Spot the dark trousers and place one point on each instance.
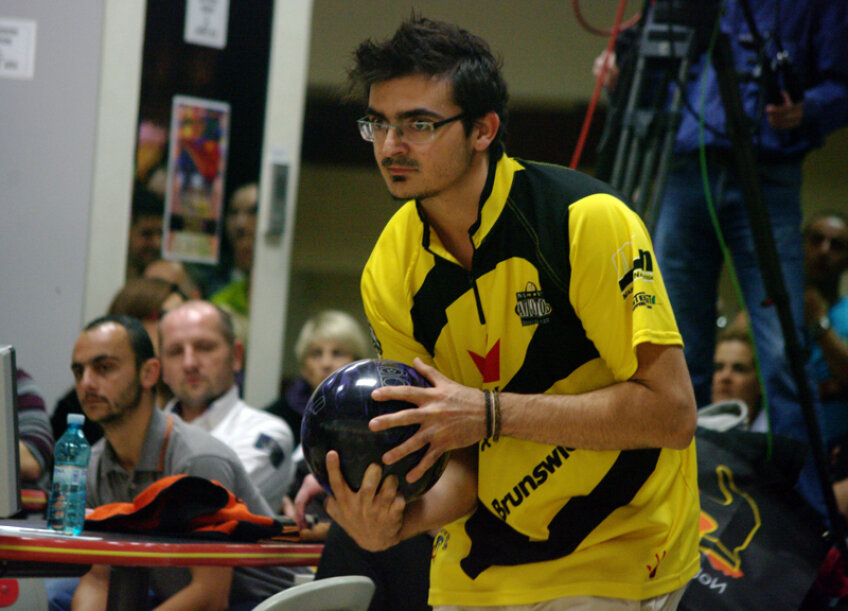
(401, 573)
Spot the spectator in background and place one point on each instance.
(147, 299)
(200, 357)
(144, 299)
(825, 240)
(35, 435)
(234, 298)
(132, 456)
(327, 341)
(174, 272)
(145, 238)
(735, 381)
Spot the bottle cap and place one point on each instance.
(76, 419)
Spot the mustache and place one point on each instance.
(402, 162)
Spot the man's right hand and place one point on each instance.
(612, 74)
(309, 489)
(372, 516)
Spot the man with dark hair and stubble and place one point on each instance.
(115, 372)
(529, 296)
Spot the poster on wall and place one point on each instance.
(206, 22)
(197, 162)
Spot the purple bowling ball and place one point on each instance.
(337, 415)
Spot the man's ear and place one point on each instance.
(149, 373)
(485, 130)
(238, 355)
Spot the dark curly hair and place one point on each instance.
(437, 48)
(140, 342)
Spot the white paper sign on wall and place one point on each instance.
(206, 22)
(17, 48)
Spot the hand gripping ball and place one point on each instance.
(337, 415)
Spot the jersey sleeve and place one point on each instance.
(387, 302)
(616, 287)
(391, 341)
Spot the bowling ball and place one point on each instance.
(336, 418)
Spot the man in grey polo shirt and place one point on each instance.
(115, 372)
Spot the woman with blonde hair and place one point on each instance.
(328, 340)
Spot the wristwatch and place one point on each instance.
(819, 327)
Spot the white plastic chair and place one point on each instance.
(346, 593)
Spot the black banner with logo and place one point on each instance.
(761, 544)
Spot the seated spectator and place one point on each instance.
(177, 274)
(826, 312)
(234, 298)
(327, 341)
(735, 380)
(145, 237)
(35, 435)
(200, 358)
(145, 299)
(116, 370)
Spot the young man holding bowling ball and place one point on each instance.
(528, 295)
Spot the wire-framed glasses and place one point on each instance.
(415, 132)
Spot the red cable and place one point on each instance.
(587, 121)
(589, 27)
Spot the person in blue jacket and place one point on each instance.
(813, 35)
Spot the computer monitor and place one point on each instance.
(10, 461)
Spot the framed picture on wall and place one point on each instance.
(194, 195)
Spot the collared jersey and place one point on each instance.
(262, 441)
(562, 288)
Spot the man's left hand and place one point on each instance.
(450, 416)
(785, 116)
(815, 305)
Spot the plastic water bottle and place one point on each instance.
(66, 509)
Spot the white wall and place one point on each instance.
(547, 54)
(47, 135)
(272, 254)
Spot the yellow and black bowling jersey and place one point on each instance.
(563, 287)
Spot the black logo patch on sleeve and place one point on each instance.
(275, 452)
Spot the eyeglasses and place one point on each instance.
(415, 132)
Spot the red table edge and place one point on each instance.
(160, 553)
